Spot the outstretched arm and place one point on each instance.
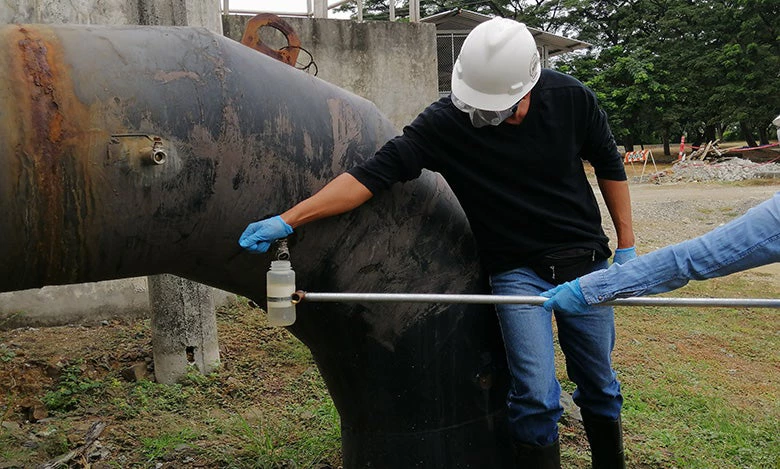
(746, 242)
(342, 194)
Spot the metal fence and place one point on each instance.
(447, 49)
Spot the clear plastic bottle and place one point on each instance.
(280, 284)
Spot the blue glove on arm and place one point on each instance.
(258, 236)
(624, 255)
(566, 297)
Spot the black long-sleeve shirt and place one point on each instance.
(522, 187)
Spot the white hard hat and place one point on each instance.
(497, 65)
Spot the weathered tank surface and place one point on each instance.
(138, 150)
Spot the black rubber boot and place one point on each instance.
(606, 441)
(538, 457)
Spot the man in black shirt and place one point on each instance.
(510, 141)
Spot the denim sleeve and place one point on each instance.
(745, 242)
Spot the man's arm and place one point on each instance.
(602, 152)
(745, 242)
(400, 159)
(618, 200)
(340, 195)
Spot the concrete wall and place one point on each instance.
(391, 64)
(85, 303)
(150, 12)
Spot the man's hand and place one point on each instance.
(566, 297)
(258, 236)
(624, 255)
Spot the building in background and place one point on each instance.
(453, 26)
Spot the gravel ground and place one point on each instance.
(726, 169)
(669, 213)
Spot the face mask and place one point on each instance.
(480, 117)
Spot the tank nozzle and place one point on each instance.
(282, 251)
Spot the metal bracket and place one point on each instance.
(251, 38)
(143, 148)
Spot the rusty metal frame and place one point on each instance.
(251, 38)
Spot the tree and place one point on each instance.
(660, 68)
(548, 15)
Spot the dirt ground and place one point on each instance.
(33, 361)
(669, 213)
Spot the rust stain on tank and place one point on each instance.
(46, 115)
(52, 175)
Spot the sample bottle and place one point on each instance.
(280, 284)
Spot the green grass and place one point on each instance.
(700, 384)
(11, 449)
(157, 446)
(6, 355)
(269, 441)
(697, 430)
(73, 389)
(700, 387)
(267, 406)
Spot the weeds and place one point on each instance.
(155, 447)
(699, 385)
(6, 354)
(72, 389)
(698, 382)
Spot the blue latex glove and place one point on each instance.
(258, 236)
(624, 255)
(566, 297)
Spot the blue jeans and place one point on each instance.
(743, 243)
(586, 341)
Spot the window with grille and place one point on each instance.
(447, 49)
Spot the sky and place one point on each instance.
(283, 6)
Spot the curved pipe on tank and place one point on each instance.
(134, 150)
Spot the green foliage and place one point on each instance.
(698, 383)
(11, 449)
(72, 389)
(698, 431)
(155, 398)
(288, 352)
(661, 68)
(671, 67)
(271, 442)
(155, 447)
(6, 354)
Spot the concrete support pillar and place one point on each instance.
(184, 328)
(414, 11)
(320, 8)
(184, 324)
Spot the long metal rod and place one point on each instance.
(300, 296)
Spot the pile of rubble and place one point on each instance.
(725, 169)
